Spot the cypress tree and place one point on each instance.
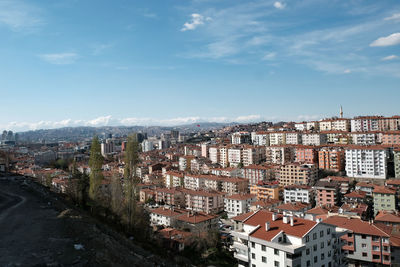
(95, 164)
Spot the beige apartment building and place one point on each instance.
(295, 173)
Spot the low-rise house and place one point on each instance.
(321, 213)
(366, 187)
(196, 222)
(237, 204)
(355, 197)
(174, 239)
(164, 216)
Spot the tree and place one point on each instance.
(116, 195)
(131, 179)
(95, 164)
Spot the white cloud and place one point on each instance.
(391, 57)
(279, 5)
(196, 20)
(347, 71)
(130, 121)
(59, 59)
(393, 39)
(269, 56)
(18, 15)
(99, 48)
(395, 17)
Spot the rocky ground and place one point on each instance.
(39, 229)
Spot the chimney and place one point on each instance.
(291, 221)
(267, 226)
(285, 219)
(274, 216)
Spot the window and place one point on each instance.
(307, 238)
(322, 245)
(364, 254)
(321, 234)
(314, 236)
(276, 263)
(363, 236)
(253, 256)
(376, 257)
(315, 259)
(322, 256)
(253, 265)
(276, 251)
(263, 248)
(308, 263)
(363, 245)
(328, 231)
(329, 253)
(349, 234)
(308, 251)
(253, 245)
(263, 259)
(351, 252)
(315, 248)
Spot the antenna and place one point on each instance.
(341, 112)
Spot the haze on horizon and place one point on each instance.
(97, 63)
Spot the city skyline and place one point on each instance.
(170, 63)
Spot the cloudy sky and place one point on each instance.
(126, 62)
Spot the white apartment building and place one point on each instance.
(193, 182)
(293, 139)
(264, 238)
(174, 179)
(312, 125)
(164, 217)
(260, 138)
(234, 156)
(253, 155)
(335, 125)
(297, 193)
(213, 153)
(237, 204)
(365, 124)
(277, 138)
(301, 126)
(107, 147)
(366, 162)
(314, 139)
(240, 138)
(279, 154)
(364, 138)
(147, 145)
(223, 156)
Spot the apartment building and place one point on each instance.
(235, 156)
(327, 193)
(293, 138)
(365, 187)
(336, 124)
(259, 173)
(314, 139)
(365, 243)
(266, 191)
(277, 138)
(300, 126)
(366, 162)
(223, 156)
(213, 153)
(296, 173)
(364, 139)
(306, 154)
(389, 123)
(312, 125)
(390, 138)
(260, 138)
(227, 172)
(396, 153)
(164, 217)
(279, 154)
(253, 155)
(241, 138)
(232, 186)
(237, 204)
(174, 179)
(203, 201)
(365, 123)
(344, 182)
(331, 159)
(384, 199)
(264, 238)
(172, 197)
(297, 193)
(184, 162)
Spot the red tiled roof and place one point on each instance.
(384, 216)
(299, 229)
(243, 216)
(356, 194)
(356, 225)
(241, 196)
(168, 212)
(383, 190)
(297, 206)
(196, 217)
(393, 182)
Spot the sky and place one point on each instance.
(130, 62)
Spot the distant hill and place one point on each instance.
(85, 132)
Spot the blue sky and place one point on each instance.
(95, 62)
